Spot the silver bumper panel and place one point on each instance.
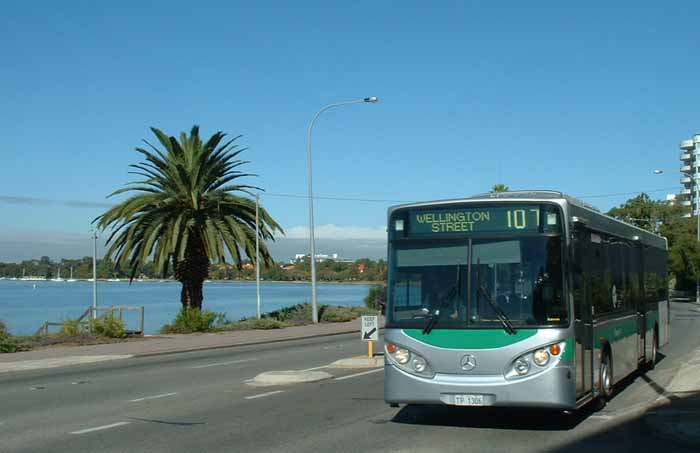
(553, 388)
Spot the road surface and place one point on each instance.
(203, 402)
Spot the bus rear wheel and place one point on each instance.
(654, 349)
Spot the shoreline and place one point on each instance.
(126, 280)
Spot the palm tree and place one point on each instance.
(498, 188)
(185, 213)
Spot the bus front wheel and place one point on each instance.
(605, 385)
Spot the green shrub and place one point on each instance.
(71, 328)
(268, 323)
(254, 323)
(9, 343)
(343, 314)
(376, 298)
(298, 314)
(337, 314)
(191, 320)
(108, 326)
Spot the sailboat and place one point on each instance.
(58, 278)
(71, 279)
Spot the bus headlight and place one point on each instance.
(521, 366)
(407, 360)
(402, 356)
(541, 357)
(419, 364)
(545, 358)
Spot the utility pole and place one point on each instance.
(257, 249)
(94, 274)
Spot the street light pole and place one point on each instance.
(257, 250)
(312, 241)
(94, 274)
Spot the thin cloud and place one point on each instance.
(331, 231)
(31, 201)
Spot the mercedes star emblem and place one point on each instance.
(468, 362)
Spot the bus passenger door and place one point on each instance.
(583, 316)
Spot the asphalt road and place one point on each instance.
(202, 402)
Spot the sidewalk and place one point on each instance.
(677, 418)
(167, 344)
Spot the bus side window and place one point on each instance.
(577, 262)
(601, 279)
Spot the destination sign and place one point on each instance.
(491, 219)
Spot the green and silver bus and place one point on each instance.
(530, 299)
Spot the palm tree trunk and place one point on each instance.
(191, 272)
(191, 295)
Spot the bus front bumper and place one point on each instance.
(554, 388)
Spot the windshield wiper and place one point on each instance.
(432, 319)
(507, 325)
(430, 322)
(500, 314)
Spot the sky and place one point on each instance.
(585, 98)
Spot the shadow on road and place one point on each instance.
(495, 418)
(511, 418)
(673, 427)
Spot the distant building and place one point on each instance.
(690, 173)
(320, 258)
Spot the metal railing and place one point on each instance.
(117, 311)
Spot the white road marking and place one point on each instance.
(152, 397)
(222, 363)
(603, 417)
(359, 374)
(263, 395)
(314, 368)
(100, 428)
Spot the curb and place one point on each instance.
(203, 348)
(359, 362)
(255, 343)
(290, 377)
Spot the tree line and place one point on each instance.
(669, 220)
(364, 269)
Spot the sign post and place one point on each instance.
(370, 332)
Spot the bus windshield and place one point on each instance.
(452, 282)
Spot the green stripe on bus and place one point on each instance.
(470, 338)
(569, 350)
(615, 331)
(652, 319)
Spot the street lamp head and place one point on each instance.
(372, 99)
(658, 172)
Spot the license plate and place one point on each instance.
(468, 400)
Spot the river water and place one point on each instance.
(26, 305)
